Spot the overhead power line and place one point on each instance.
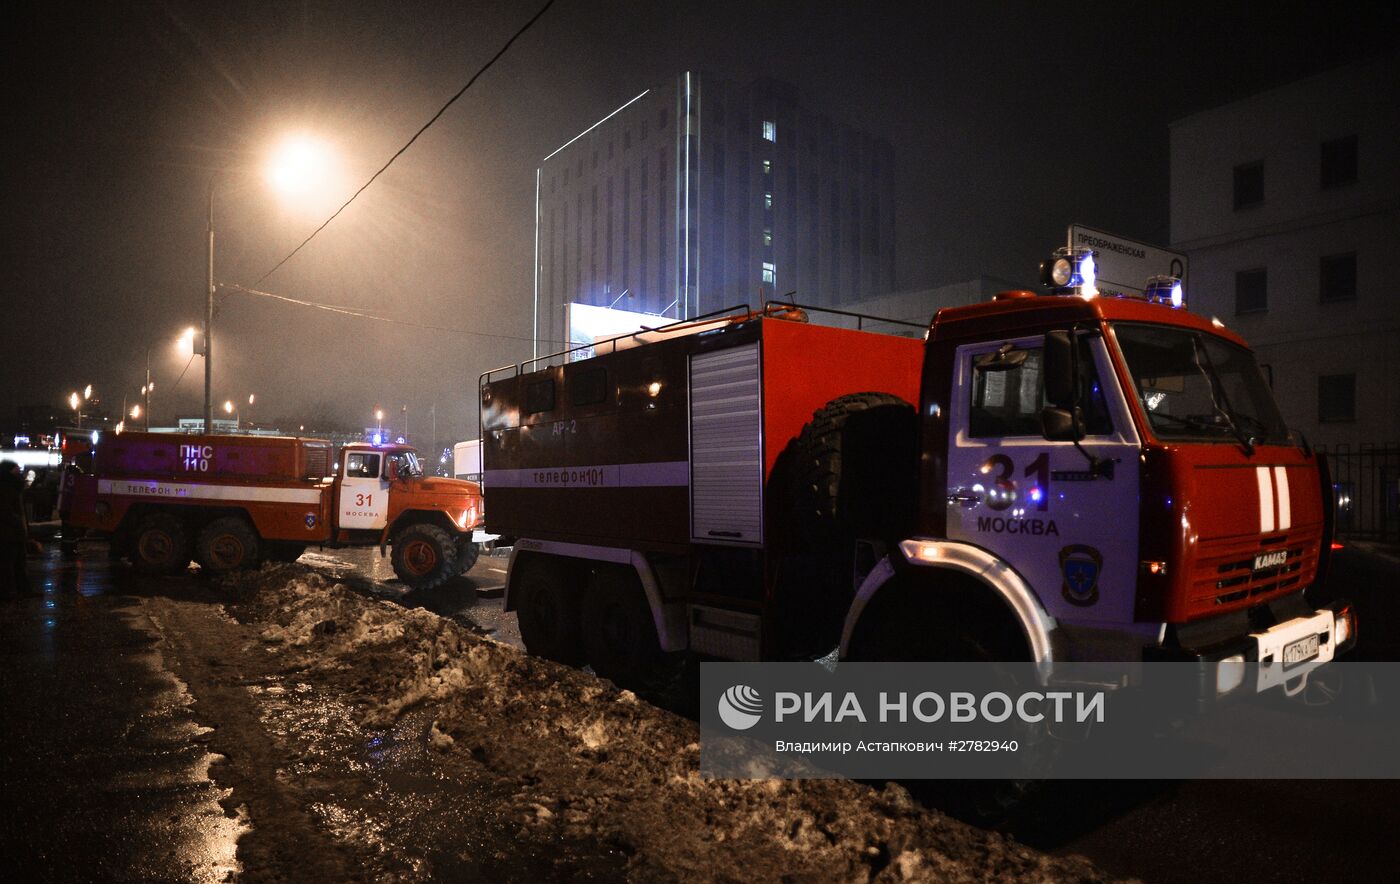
(365, 314)
(451, 101)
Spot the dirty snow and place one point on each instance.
(582, 760)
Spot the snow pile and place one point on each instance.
(582, 760)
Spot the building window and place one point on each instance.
(770, 273)
(1252, 291)
(1336, 397)
(768, 167)
(768, 200)
(1249, 185)
(767, 236)
(1337, 164)
(770, 130)
(1337, 277)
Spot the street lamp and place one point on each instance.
(379, 420)
(184, 344)
(75, 402)
(298, 168)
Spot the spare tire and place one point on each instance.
(852, 474)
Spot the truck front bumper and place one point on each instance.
(1267, 657)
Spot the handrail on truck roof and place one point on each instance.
(770, 308)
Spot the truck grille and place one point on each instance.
(1224, 577)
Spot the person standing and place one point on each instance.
(14, 532)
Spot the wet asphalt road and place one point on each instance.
(106, 755)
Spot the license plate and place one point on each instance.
(1300, 651)
(1270, 559)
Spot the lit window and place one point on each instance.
(767, 236)
(768, 201)
(770, 130)
(770, 273)
(768, 167)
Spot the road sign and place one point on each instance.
(1124, 265)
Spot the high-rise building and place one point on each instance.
(704, 194)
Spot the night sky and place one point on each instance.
(1009, 122)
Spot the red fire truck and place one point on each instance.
(1046, 478)
(230, 502)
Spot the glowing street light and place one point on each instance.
(136, 412)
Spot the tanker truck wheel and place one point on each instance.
(425, 556)
(227, 544)
(160, 545)
(546, 594)
(619, 634)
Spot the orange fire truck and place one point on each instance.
(230, 502)
(1046, 478)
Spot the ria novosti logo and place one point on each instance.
(741, 707)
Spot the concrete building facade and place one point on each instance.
(703, 194)
(1288, 205)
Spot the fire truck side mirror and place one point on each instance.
(1060, 370)
(1061, 424)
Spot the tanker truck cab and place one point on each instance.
(1117, 473)
(383, 497)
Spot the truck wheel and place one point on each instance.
(547, 604)
(424, 556)
(851, 474)
(619, 634)
(467, 554)
(160, 545)
(227, 544)
(284, 552)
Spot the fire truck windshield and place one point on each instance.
(1198, 386)
(407, 463)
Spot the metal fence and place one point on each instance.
(1367, 480)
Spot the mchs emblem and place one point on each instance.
(1080, 566)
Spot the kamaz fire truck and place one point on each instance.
(230, 502)
(1042, 477)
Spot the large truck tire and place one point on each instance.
(160, 545)
(227, 544)
(547, 607)
(619, 633)
(467, 554)
(425, 556)
(852, 474)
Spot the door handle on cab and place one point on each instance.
(965, 496)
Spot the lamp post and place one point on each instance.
(209, 321)
(75, 402)
(293, 169)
